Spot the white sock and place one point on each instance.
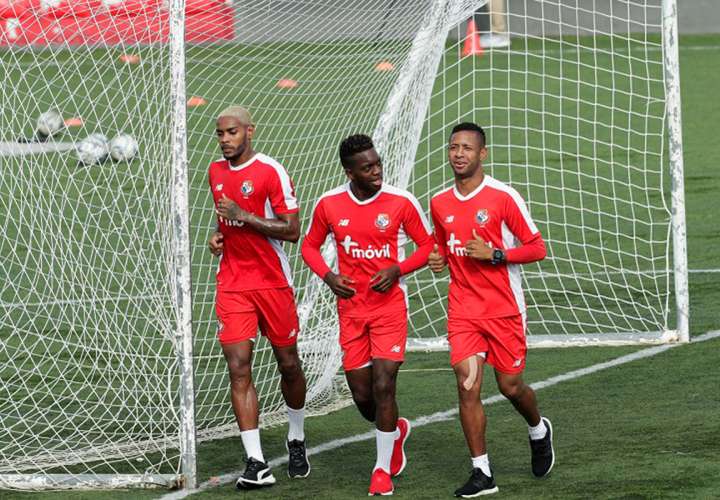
(483, 463)
(385, 442)
(296, 424)
(537, 432)
(251, 443)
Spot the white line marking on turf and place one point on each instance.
(443, 416)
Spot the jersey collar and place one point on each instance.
(363, 202)
(242, 165)
(475, 191)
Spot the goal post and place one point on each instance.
(110, 372)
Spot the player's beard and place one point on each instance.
(237, 153)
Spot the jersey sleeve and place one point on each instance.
(282, 192)
(417, 227)
(518, 220)
(314, 238)
(439, 232)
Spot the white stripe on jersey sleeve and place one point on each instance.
(501, 186)
(278, 247)
(408, 195)
(290, 199)
(509, 241)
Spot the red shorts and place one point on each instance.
(241, 313)
(364, 339)
(501, 339)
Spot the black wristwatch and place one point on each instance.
(498, 257)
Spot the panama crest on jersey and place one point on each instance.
(482, 216)
(247, 188)
(382, 222)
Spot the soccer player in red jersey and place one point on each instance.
(257, 210)
(369, 222)
(483, 231)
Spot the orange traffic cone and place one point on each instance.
(472, 46)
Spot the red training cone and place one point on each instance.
(472, 46)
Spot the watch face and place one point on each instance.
(498, 256)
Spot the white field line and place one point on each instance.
(444, 416)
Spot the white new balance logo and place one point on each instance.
(449, 219)
(218, 187)
(364, 253)
(395, 348)
(344, 222)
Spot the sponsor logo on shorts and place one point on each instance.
(395, 348)
(482, 216)
(344, 222)
(218, 187)
(449, 219)
(382, 222)
(247, 188)
(517, 363)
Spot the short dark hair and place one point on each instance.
(352, 145)
(470, 127)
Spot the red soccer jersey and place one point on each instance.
(369, 236)
(498, 214)
(251, 260)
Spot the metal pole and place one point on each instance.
(673, 114)
(181, 244)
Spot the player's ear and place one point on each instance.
(483, 153)
(250, 131)
(349, 173)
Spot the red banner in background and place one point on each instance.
(109, 22)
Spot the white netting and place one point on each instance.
(89, 372)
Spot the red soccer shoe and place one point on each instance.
(399, 459)
(380, 483)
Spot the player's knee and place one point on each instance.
(240, 372)
(383, 388)
(512, 390)
(290, 368)
(362, 398)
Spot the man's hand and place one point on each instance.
(384, 278)
(436, 262)
(216, 243)
(340, 284)
(230, 210)
(478, 248)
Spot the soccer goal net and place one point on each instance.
(107, 125)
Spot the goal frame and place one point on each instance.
(186, 441)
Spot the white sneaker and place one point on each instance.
(495, 40)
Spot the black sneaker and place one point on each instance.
(257, 474)
(478, 484)
(543, 455)
(298, 465)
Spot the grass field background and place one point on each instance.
(643, 430)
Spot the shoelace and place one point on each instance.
(297, 453)
(253, 466)
(540, 445)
